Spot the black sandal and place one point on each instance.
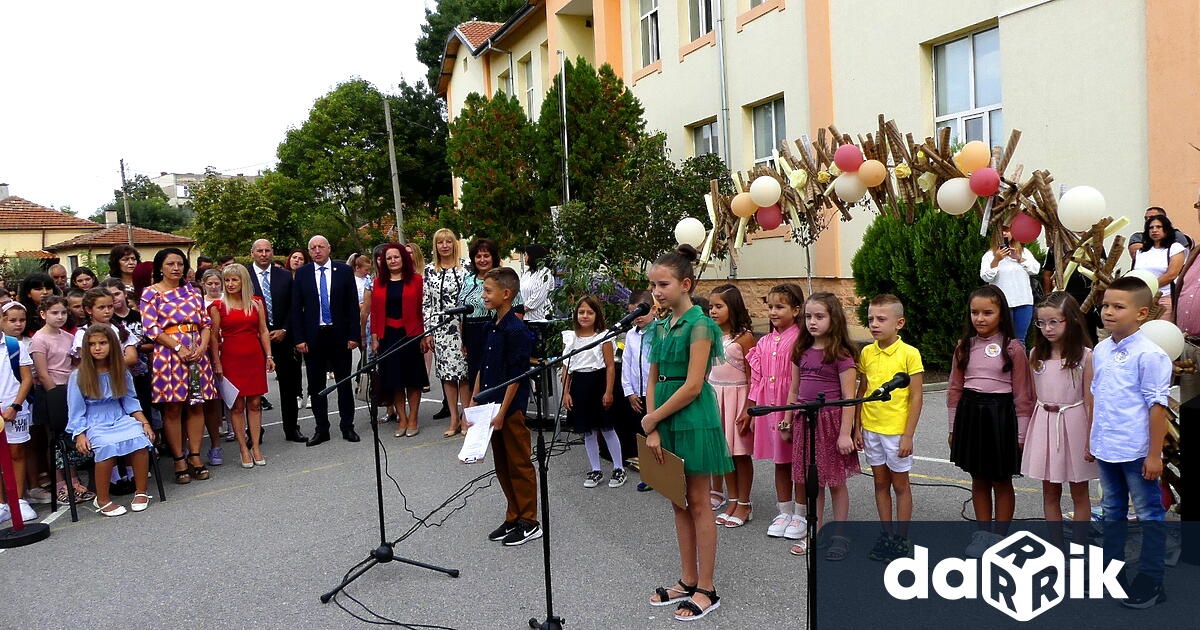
(665, 598)
(690, 606)
(199, 473)
(183, 476)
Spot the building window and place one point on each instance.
(506, 83)
(705, 138)
(966, 77)
(527, 73)
(700, 12)
(754, 3)
(770, 129)
(465, 59)
(649, 26)
(73, 261)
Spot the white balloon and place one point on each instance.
(1081, 207)
(691, 231)
(1150, 279)
(955, 196)
(765, 191)
(849, 188)
(1166, 335)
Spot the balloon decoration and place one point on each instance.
(690, 231)
(1081, 207)
(1149, 278)
(743, 205)
(955, 196)
(872, 173)
(1166, 335)
(849, 188)
(765, 191)
(848, 158)
(769, 217)
(973, 156)
(1025, 229)
(985, 182)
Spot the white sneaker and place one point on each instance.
(980, 541)
(796, 528)
(779, 525)
(27, 511)
(5, 513)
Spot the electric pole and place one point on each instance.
(387, 117)
(125, 200)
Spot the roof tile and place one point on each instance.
(118, 234)
(20, 214)
(477, 32)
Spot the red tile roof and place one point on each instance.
(118, 234)
(20, 214)
(476, 32)
(35, 254)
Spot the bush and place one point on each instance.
(932, 266)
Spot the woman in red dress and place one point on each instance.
(243, 357)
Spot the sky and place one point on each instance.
(177, 87)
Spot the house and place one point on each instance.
(178, 186)
(93, 247)
(26, 228)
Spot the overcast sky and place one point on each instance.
(176, 87)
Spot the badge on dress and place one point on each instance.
(1040, 368)
(1121, 357)
(992, 350)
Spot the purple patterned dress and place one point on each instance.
(170, 376)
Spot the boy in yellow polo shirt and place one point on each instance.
(885, 429)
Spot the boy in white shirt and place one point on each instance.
(635, 363)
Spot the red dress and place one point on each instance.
(242, 355)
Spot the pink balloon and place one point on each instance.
(985, 182)
(769, 217)
(1024, 227)
(848, 158)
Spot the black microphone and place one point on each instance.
(627, 321)
(899, 381)
(457, 310)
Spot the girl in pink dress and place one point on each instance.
(770, 381)
(1056, 440)
(730, 377)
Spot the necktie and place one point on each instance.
(266, 291)
(326, 318)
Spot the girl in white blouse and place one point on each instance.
(536, 284)
(1008, 265)
(588, 382)
(1162, 256)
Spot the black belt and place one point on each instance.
(663, 379)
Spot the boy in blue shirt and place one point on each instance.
(1129, 421)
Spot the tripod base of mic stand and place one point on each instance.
(382, 554)
(553, 623)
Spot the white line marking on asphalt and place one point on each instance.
(53, 516)
(932, 459)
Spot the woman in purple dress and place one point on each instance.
(174, 318)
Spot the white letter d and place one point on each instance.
(918, 566)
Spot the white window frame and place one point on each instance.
(527, 74)
(650, 35)
(958, 120)
(769, 159)
(714, 138)
(704, 24)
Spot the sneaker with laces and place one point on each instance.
(593, 479)
(902, 547)
(618, 478)
(796, 528)
(38, 495)
(214, 456)
(499, 533)
(1144, 592)
(883, 548)
(523, 533)
(27, 511)
(779, 525)
(643, 487)
(5, 513)
(980, 541)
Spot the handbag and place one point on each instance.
(362, 383)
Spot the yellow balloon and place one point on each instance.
(973, 156)
(872, 173)
(743, 205)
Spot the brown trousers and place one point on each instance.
(511, 449)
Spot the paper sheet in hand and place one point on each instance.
(667, 478)
(479, 432)
(229, 393)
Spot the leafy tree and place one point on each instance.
(604, 121)
(153, 213)
(491, 147)
(231, 214)
(141, 187)
(448, 14)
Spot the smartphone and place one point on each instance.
(1006, 243)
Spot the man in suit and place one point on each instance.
(325, 329)
(274, 286)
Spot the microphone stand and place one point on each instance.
(542, 401)
(812, 411)
(385, 552)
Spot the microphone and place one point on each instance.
(899, 381)
(627, 321)
(457, 310)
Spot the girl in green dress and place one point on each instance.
(683, 418)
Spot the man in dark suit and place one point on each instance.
(278, 298)
(325, 329)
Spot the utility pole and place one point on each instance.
(562, 109)
(125, 200)
(387, 117)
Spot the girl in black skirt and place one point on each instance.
(990, 402)
(588, 380)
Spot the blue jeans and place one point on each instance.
(1120, 481)
(1022, 315)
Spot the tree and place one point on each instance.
(604, 121)
(446, 17)
(420, 130)
(491, 147)
(141, 187)
(231, 214)
(154, 214)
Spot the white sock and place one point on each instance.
(592, 446)
(786, 507)
(614, 448)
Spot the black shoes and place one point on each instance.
(501, 532)
(444, 413)
(266, 404)
(318, 438)
(295, 436)
(350, 436)
(1144, 593)
(523, 533)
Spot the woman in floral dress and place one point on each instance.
(443, 284)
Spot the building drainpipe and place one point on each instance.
(512, 76)
(719, 27)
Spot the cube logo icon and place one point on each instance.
(1023, 576)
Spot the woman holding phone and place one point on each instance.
(1008, 265)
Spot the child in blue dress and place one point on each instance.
(105, 417)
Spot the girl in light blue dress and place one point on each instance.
(105, 417)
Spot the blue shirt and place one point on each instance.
(506, 355)
(1129, 377)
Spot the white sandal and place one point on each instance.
(733, 521)
(101, 509)
(718, 500)
(138, 507)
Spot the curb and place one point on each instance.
(935, 387)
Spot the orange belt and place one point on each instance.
(181, 328)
